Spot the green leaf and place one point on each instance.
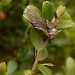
(27, 72)
(43, 55)
(48, 64)
(60, 10)
(2, 68)
(70, 33)
(47, 10)
(59, 73)
(65, 24)
(65, 16)
(11, 67)
(45, 70)
(37, 39)
(61, 41)
(36, 12)
(43, 30)
(70, 66)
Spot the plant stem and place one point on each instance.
(35, 63)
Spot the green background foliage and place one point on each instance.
(15, 44)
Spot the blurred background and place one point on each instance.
(15, 43)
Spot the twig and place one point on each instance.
(35, 63)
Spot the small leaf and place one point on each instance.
(43, 30)
(70, 66)
(27, 72)
(45, 70)
(59, 73)
(65, 24)
(37, 39)
(2, 68)
(60, 10)
(11, 67)
(65, 16)
(48, 64)
(47, 10)
(43, 55)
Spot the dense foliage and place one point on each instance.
(16, 48)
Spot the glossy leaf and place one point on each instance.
(65, 24)
(70, 66)
(11, 67)
(45, 70)
(43, 55)
(37, 39)
(47, 10)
